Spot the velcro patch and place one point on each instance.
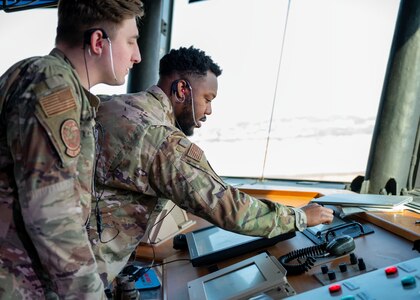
(58, 102)
(70, 134)
(195, 152)
(184, 143)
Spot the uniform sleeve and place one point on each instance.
(45, 140)
(180, 172)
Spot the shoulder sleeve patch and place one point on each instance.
(70, 134)
(58, 102)
(195, 152)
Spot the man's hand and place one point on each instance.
(317, 214)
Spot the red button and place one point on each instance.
(334, 288)
(391, 270)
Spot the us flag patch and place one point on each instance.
(58, 102)
(195, 152)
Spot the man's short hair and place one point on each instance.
(187, 61)
(75, 17)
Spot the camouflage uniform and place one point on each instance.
(47, 150)
(144, 156)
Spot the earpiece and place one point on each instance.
(174, 86)
(88, 33)
(174, 91)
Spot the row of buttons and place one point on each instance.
(343, 266)
(391, 272)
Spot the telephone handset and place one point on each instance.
(339, 246)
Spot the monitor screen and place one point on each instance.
(247, 278)
(232, 283)
(213, 244)
(215, 239)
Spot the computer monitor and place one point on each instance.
(257, 275)
(213, 244)
(232, 283)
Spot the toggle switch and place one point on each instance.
(342, 267)
(331, 275)
(353, 259)
(361, 264)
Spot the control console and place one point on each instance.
(400, 281)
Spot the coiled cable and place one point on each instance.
(309, 254)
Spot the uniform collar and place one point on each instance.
(60, 54)
(164, 101)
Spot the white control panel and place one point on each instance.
(400, 281)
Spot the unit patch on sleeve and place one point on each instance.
(58, 102)
(70, 134)
(195, 152)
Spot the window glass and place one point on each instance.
(300, 87)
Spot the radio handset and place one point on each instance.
(339, 246)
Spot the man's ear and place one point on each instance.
(95, 42)
(176, 91)
(181, 90)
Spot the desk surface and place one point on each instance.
(391, 243)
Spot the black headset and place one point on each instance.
(87, 34)
(174, 87)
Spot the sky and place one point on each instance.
(312, 75)
(330, 46)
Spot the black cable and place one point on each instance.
(99, 136)
(172, 261)
(309, 254)
(86, 68)
(152, 265)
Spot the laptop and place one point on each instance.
(415, 204)
(367, 200)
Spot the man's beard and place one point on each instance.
(185, 121)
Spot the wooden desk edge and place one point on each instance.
(379, 220)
